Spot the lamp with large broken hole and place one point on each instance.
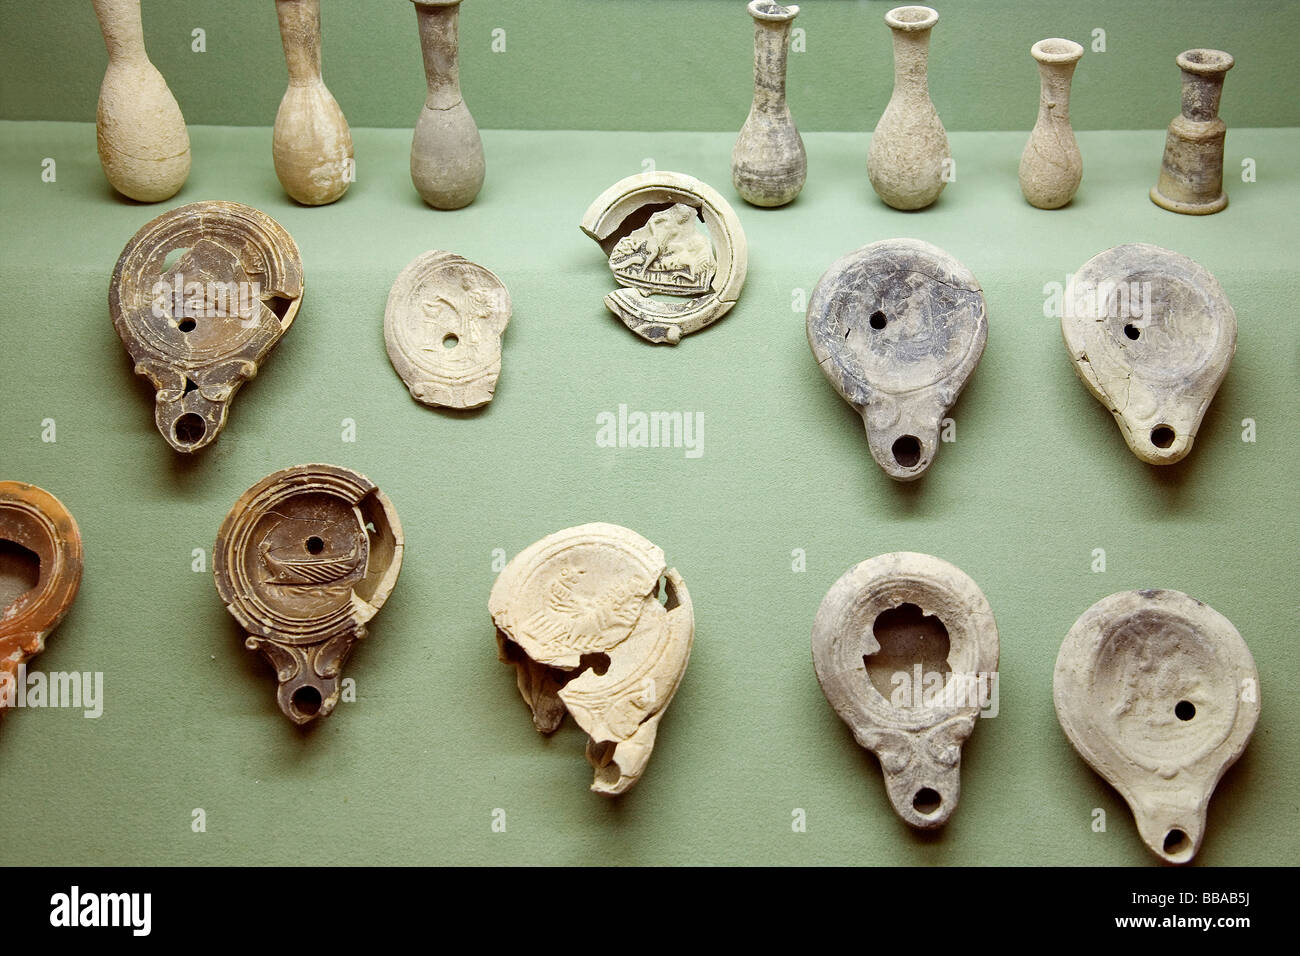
(906, 651)
(897, 327)
(579, 616)
(304, 560)
(40, 574)
(677, 278)
(200, 296)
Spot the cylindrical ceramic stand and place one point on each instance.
(768, 163)
(906, 160)
(311, 143)
(446, 152)
(1191, 173)
(144, 146)
(1051, 167)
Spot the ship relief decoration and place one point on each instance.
(303, 561)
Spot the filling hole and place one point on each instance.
(187, 324)
(1132, 331)
(1184, 710)
(878, 320)
(314, 545)
(450, 341)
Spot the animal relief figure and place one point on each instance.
(586, 621)
(580, 617)
(667, 254)
(648, 228)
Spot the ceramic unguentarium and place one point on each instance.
(40, 573)
(1159, 694)
(649, 225)
(768, 163)
(909, 149)
(1191, 172)
(579, 615)
(1151, 333)
(447, 164)
(443, 327)
(311, 143)
(1051, 166)
(200, 296)
(304, 560)
(144, 146)
(897, 327)
(906, 651)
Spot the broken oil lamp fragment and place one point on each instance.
(579, 616)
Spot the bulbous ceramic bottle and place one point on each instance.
(446, 152)
(906, 159)
(144, 146)
(768, 163)
(312, 144)
(1051, 166)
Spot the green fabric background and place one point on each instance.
(411, 772)
(665, 64)
(439, 738)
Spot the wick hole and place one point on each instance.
(1162, 436)
(926, 801)
(189, 429)
(907, 451)
(1176, 842)
(306, 700)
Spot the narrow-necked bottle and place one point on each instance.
(446, 151)
(1051, 166)
(909, 147)
(311, 143)
(768, 163)
(144, 146)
